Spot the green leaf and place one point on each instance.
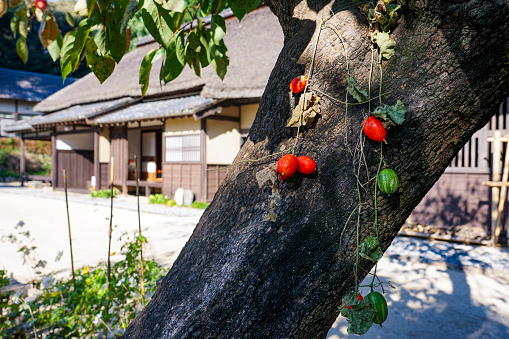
(48, 30)
(54, 48)
(386, 44)
(218, 28)
(102, 66)
(70, 19)
(146, 67)
(220, 66)
(356, 90)
(14, 26)
(22, 21)
(100, 39)
(84, 7)
(175, 5)
(216, 6)
(391, 115)
(72, 47)
(172, 65)
(116, 42)
(241, 7)
(370, 249)
(180, 47)
(204, 53)
(14, 3)
(359, 316)
(131, 8)
(21, 49)
(193, 48)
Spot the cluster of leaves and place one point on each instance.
(200, 205)
(382, 17)
(188, 31)
(105, 193)
(62, 309)
(158, 199)
(370, 249)
(358, 313)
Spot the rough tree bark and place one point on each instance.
(240, 276)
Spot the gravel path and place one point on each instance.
(442, 289)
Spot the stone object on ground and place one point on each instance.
(179, 196)
(188, 197)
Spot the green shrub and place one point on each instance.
(200, 205)
(158, 199)
(106, 193)
(60, 310)
(171, 202)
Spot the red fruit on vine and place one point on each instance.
(41, 4)
(374, 129)
(298, 84)
(349, 307)
(306, 165)
(360, 297)
(287, 166)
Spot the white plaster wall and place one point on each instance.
(104, 145)
(247, 115)
(80, 141)
(182, 126)
(223, 141)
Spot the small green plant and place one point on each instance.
(171, 203)
(158, 199)
(200, 205)
(105, 193)
(61, 310)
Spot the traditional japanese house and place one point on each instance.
(178, 131)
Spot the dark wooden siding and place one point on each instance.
(105, 175)
(79, 166)
(182, 175)
(214, 179)
(456, 199)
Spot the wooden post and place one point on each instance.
(22, 161)
(203, 159)
(495, 191)
(54, 160)
(97, 165)
(503, 196)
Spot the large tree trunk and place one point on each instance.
(243, 276)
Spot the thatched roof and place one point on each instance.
(161, 109)
(74, 114)
(29, 86)
(253, 44)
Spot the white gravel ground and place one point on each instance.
(443, 290)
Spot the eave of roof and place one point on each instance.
(160, 109)
(19, 126)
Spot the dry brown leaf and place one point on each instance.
(309, 107)
(267, 174)
(3, 7)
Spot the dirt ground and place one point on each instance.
(432, 298)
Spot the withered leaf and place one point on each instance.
(267, 174)
(308, 107)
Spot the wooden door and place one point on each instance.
(118, 151)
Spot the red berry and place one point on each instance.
(374, 129)
(287, 166)
(41, 4)
(349, 307)
(298, 84)
(360, 297)
(306, 165)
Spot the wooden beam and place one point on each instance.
(203, 159)
(223, 118)
(495, 191)
(54, 159)
(22, 161)
(97, 165)
(502, 139)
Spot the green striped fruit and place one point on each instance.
(380, 304)
(387, 181)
